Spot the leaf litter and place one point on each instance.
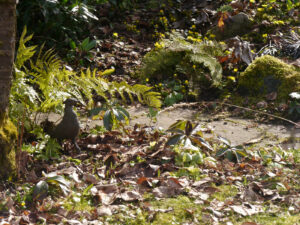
(119, 171)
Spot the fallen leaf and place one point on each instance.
(89, 178)
(164, 192)
(104, 211)
(131, 196)
(246, 209)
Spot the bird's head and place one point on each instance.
(71, 102)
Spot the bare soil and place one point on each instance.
(239, 131)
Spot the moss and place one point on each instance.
(180, 213)
(8, 137)
(268, 74)
(226, 191)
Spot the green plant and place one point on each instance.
(152, 114)
(194, 61)
(45, 149)
(122, 5)
(40, 190)
(114, 114)
(186, 156)
(186, 133)
(232, 153)
(56, 22)
(41, 84)
(82, 53)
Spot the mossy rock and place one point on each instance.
(8, 137)
(268, 74)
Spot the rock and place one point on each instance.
(239, 24)
(267, 75)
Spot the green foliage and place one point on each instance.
(41, 84)
(40, 190)
(60, 181)
(122, 5)
(195, 62)
(113, 116)
(90, 82)
(46, 149)
(232, 153)
(82, 53)
(152, 114)
(188, 134)
(187, 156)
(56, 22)
(225, 8)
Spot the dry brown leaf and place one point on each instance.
(165, 192)
(89, 178)
(104, 211)
(131, 196)
(246, 209)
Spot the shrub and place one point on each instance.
(195, 61)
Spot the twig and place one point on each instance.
(253, 110)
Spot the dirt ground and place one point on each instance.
(238, 131)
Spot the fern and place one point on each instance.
(41, 83)
(24, 53)
(178, 56)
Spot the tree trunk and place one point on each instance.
(8, 132)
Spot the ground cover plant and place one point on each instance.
(112, 56)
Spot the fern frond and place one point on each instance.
(24, 53)
(180, 56)
(146, 96)
(212, 64)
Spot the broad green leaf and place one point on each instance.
(180, 124)
(176, 139)
(61, 182)
(118, 114)
(231, 155)
(90, 45)
(72, 44)
(201, 142)
(241, 153)
(40, 190)
(96, 111)
(108, 120)
(85, 43)
(224, 140)
(58, 180)
(124, 111)
(221, 152)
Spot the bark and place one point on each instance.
(8, 132)
(7, 49)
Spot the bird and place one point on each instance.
(69, 126)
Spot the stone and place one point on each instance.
(237, 25)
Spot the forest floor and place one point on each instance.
(244, 168)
